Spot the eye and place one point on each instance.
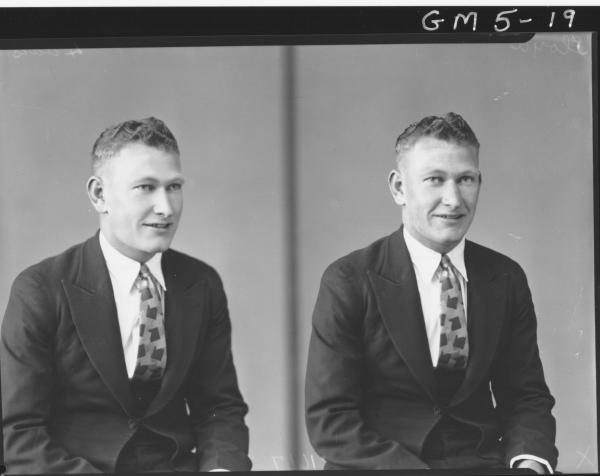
(434, 179)
(144, 187)
(467, 179)
(175, 187)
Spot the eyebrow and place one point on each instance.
(178, 179)
(445, 172)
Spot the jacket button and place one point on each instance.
(437, 410)
(133, 424)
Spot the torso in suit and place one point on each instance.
(66, 397)
(370, 390)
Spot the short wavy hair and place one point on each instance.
(450, 127)
(150, 131)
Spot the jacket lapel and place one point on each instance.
(184, 303)
(485, 313)
(91, 301)
(396, 291)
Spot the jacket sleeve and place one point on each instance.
(27, 380)
(334, 379)
(523, 400)
(216, 406)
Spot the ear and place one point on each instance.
(396, 184)
(95, 190)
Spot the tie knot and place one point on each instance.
(447, 269)
(445, 263)
(144, 278)
(144, 271)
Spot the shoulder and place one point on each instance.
(48, 272)
(491, 261)
(193, 277)
(36, 295)
(189, 268)
(358, 262)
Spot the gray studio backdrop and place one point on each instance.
(254, 121)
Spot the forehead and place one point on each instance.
(140, 160)
(431, 153)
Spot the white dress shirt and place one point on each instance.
(123, 272)
(426, 265)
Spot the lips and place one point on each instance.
(159, 226)
(454, 216)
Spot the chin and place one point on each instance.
(158, 247)
(450, 242)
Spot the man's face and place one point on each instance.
(437, 185)
(141, 200)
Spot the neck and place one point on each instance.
(125, 250)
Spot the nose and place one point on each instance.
(162, 203)
(451, 196)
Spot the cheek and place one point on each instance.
(129, 220)
(420, 216)
(425, 204)
(178, 203)
(471, 197)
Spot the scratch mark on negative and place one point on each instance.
(505, 93)
(584, 457)
(576, 305)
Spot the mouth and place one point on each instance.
(159, 226)
(453, 216)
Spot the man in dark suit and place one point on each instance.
(423, 351)
(116, 354)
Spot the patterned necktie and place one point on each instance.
(152, 351)
(454, 342)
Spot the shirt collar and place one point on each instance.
(427, 260)
(124, 269)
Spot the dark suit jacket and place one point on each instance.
(370, 399)
(66, 399)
